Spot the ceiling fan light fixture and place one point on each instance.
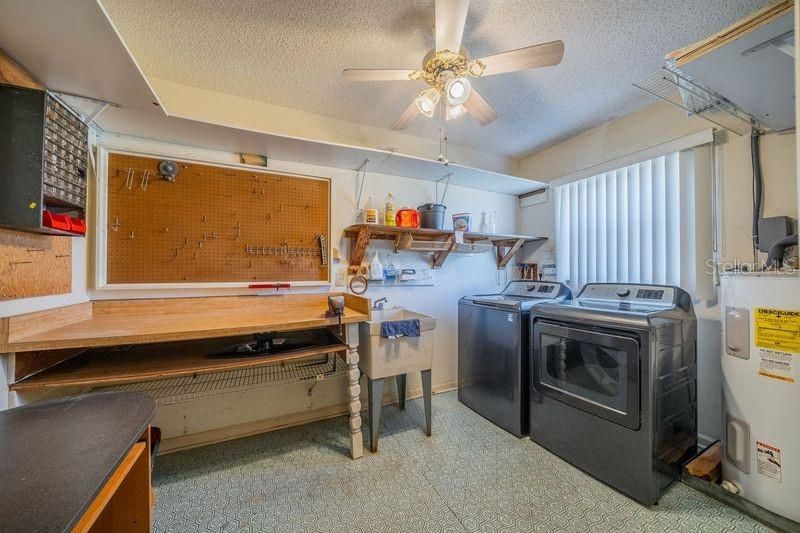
(427, 100)
(455, 111)
(457, 90)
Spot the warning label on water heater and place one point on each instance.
(776, 365)
(768, 461)
(777, 329)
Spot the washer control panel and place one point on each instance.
(534, 289)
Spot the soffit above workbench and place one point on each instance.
(72, 47)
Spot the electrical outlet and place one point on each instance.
(341, 279)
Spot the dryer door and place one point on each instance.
(596, 371)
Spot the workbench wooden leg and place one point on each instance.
(354, 392)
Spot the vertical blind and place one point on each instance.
(627, 225)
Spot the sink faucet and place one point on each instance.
(377, 305)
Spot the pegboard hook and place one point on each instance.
(130, 173)
(145, 180)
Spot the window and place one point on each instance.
(634, 224)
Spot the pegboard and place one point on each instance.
(34, 265)
(213, 224)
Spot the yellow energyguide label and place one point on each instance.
(778, 329)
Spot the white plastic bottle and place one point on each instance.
(376, 269)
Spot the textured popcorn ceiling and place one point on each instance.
(292, 52)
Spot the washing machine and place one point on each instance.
(493, 346)
(614, 384)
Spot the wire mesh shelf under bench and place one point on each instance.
(187, 363)
(188, 388)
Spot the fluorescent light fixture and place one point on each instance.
(427, 100)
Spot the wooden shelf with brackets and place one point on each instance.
(441, 243)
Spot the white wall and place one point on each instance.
(461, 274)
(658, 124)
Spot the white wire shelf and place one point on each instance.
(184, 389)
(676, 88)
(473, 247)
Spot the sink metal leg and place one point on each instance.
(401, 390)
(375, 398)
(426, 393)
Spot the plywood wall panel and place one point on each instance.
(213, 224)
(34, 265)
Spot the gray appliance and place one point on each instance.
(614, 384)
(493, 351)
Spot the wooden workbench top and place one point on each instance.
(58, 455)
(115, 322)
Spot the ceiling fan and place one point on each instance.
(447, 70)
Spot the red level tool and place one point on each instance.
(275, 286)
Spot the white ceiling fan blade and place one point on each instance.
(355, 74)
(405, 119)
(479, 108)
(538, 55)
(451, 16)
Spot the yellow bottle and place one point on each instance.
(390, 213)
(370, 212)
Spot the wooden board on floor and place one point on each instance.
(213, 224)
(707, 465)
(34, 265)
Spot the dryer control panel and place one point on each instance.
(626, 292)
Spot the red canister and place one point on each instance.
(407, 218)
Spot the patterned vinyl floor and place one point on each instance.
(469, 476)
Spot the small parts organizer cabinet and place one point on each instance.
(43, 147)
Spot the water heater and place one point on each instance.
(761, 389)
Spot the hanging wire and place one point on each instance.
(715, 211)
(446, 185)
(363, 170)
(443, 134)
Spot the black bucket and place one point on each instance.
(431, 216)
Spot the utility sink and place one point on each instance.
(380, 358)
(426, 323)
